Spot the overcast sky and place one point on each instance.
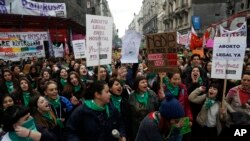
(123, 12)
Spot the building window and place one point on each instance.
(79, 2)
(248, 4)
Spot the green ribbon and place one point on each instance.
(84, 78)
(142, 98)
(151, 75)
(173, 89)
(200, 81)
(10, 86)
(209, 103)
(48, 116)
(26, 98)
(116, 100)
(92, 105)
(55, 102)
(29, 124)
(63, 82)
(77, 88)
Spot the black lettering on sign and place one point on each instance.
(230, 71)
(103, 56)
(161, 40)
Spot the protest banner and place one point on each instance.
(183, 39)
(162, 52)
(228, 56)
(130, 47)
(28, 7)
(98, 40)
(15, 49)
(58, 49)
(79, 48)
(34, 36)
(241, 31)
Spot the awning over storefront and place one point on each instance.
(58, 27)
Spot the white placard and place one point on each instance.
(130, 47)
(98, 40)
(228, 57)
(79, 48)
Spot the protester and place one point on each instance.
(164, 124)
(96, 118)
(211, 115)
(141, 102)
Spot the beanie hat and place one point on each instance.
(171, 108)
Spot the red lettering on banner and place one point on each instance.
(152, 57)
(172, 56)
(159, 63)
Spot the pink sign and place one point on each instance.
(159, 63)
(210, 43)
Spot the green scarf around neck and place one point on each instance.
(142, 98)
(77, 88)
(10, 86)
(48, 116)
(92, 105)
(26, 98)
(63, 82)
(116, 100)
(209, 103)
(55, 102)
(174, 90)
(200, 81)
(84, 78)
(29, 124)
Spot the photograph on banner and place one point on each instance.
(79, 48)
(15, 49)
(98, 40)
(162, 52)
(58, 49)
(228, 57)
(130, 46)
(29, 7)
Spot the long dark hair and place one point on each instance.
(97, 86)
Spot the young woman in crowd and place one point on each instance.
(75, 89)
(9, 83)
(16, 70)
(96, 118)
(141, 102)
(62, 79)
(20, 126)
(46, 74)
(164, 124)
(45, 118)
(211, 114)
(103, 74)
(33, 76)
(84, 75)
(24, 92)
(60, 105)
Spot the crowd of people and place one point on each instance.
(61, 100)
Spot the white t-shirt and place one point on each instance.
(6, 137)
(212, 115)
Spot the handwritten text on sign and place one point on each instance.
(98, 40)
(162, 51)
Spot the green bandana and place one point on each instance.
(165, 81)
(92, 105)
(48, 116)
(84, 78)
(55, 102)
(122, 82)
(77, 88)
(209, 103)
(63, 81)
(29, 124)
(200, 81)
(173, 90)
(151, 75)
(116, 100)
(26, 98)
(10, 86)
(142, 98)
